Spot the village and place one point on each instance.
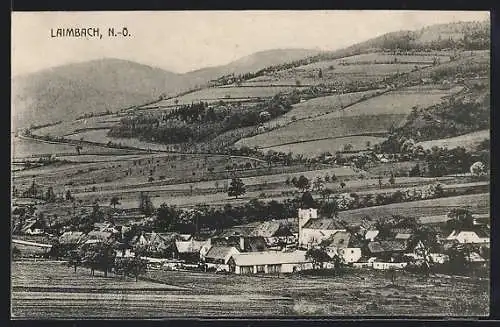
(456, 244)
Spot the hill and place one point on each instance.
(65, 92)
(250, 63)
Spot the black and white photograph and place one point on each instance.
(228, 164)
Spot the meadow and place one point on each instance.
(468, 141)
(45, 290)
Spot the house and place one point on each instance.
(33, 227)
(71, 238)
(218, 257)
(403, 236)
(350, 255)
(388, 250)
(381, 265)
(316, 230)
(156, 244)
(371, 235)
(482, 220)
(269, 262)
(125, 253)
(336, 241)
(100, 236)
(189, 250)
(478, 235)
(275, 232)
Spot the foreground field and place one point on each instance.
(44, 290)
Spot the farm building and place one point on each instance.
(478, 235)
(269, 262)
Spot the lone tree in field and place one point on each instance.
(392, 180)
(114, 201)
(236, 188)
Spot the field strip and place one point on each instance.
(381, 134)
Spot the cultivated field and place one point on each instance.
(395, 102)
(68, 127)
(26, 147)
(315, 148)
(227, 93)
(468, 141)
(51, 290)
(366, 118)
(477, 203)
(319, 106)
(309, 129)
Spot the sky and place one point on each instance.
(182, 41)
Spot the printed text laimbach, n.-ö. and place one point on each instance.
(78, 32)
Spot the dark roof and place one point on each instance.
(272, 228)
(323, 223)
(243, 230)
(218, 252)
(99, 235)
(251, 244)
(387, 246)
(254, 244)
(482, 232)
(71, 237)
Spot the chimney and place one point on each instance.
(242, 243)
